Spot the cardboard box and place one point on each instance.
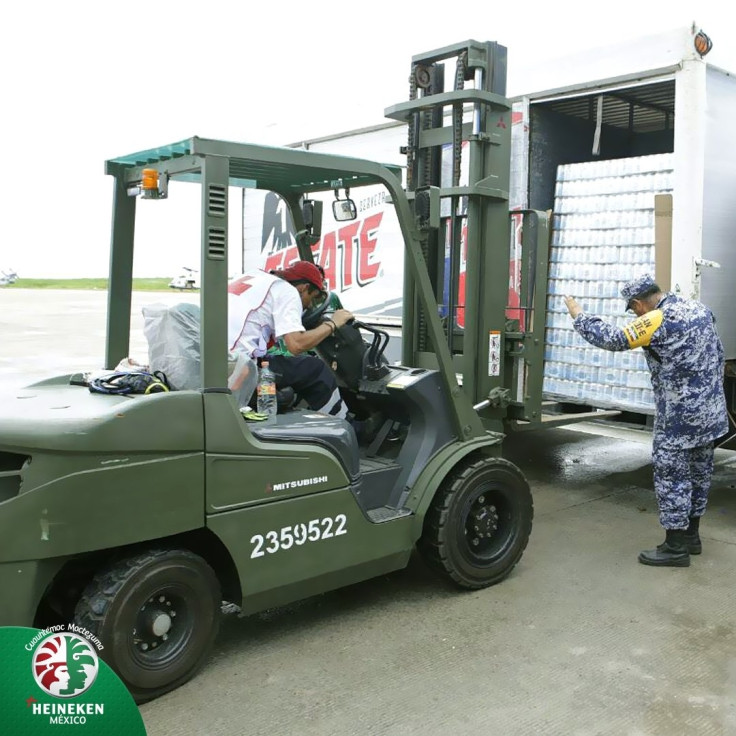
(663, 240)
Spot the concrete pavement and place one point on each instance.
(53, 331)
(580, 640)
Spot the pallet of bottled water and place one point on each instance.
(602, 237)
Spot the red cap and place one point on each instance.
(305, 271)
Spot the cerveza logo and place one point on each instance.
(57, 676)
(291, 484)
(65, 665)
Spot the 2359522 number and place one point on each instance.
(287, 537)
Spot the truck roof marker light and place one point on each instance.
(702, 43)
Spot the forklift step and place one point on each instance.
(387, 513)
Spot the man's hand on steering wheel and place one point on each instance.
(315, 315)
(341, 317)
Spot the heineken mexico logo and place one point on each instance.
(57, 676)
(64, 664)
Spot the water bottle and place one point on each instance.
(266, 391)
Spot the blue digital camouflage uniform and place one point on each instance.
(686, 362)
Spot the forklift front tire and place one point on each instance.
(478, 524)
(157, 616)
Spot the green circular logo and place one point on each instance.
(57, 677)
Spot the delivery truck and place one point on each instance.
(629, 149)
(638, 168)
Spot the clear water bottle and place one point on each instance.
(266, 391)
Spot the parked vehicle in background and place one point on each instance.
(7, 276)
(188, 279)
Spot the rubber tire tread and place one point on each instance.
(100, 594)
(432, 545)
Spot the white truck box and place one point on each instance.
(660, 129)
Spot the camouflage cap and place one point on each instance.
(632, 289)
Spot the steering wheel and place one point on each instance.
(313, 316)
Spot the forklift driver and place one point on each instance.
(263, 308)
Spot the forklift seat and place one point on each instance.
(303, 425)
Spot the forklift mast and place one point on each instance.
(458, 160)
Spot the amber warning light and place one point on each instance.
(149, 181)
(152, 185)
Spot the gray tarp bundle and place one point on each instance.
(173, 347)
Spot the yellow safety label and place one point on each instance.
(639, 332)
(494, 352)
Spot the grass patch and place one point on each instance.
(159, 284)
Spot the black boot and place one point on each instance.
(692, 537)
(673, 552)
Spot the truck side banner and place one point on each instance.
(363, 259)
(513, 311)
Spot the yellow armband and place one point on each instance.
(639, 332)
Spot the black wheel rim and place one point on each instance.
(485, 526)
(162, 628)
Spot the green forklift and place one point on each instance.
(136, 516)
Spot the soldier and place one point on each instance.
(686, 362)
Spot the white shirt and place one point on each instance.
(261, 308)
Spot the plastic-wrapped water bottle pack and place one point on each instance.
(602, 237)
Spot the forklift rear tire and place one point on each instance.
(478, 524)
(157, 616)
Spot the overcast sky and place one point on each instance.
(88, 81)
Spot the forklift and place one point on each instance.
(136, 516)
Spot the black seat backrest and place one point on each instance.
(344, 352)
